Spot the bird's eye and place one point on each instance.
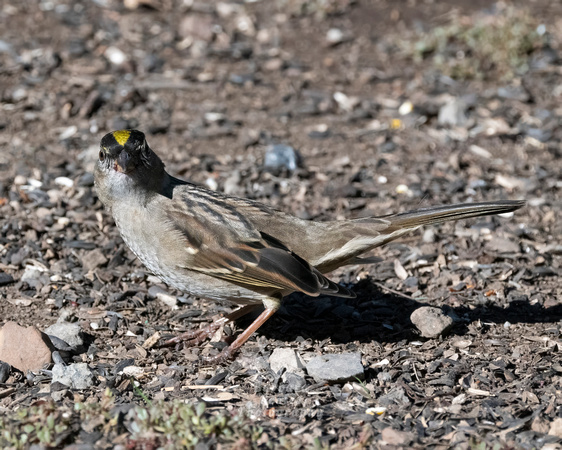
(101, 156)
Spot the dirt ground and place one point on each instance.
(381, 127)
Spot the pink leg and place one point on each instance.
(196, 337)
(231, 350)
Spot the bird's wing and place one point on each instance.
(221, 242)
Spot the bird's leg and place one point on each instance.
(228, 352)
(196, 337)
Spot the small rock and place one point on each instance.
(539, 135)
(396, 396)
(399, 270)
(428, 235)
(232, 184)
(502, 245)
(71, 333)
(5, 369)
(411, 282)
(64, 181)
(432, 322)
(294, 381)
(406, 108)
(58, 395)
(336, 368)
(35, 277)
(346, 102)
(133, 371)
(556, 428)
(5, 278)
(453, 113)
(75, 376)
(24, 348)
(335, 36)
(86, 179)
(479, 151)
(514, 93)
(68, 132)
(93, 259)
(160, 294)
(115, 55)
(395, 437)
(286, 358)
(197, 27)
(281, 156)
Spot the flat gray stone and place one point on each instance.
(286, 358)
(336, 368)
(75, 376)
(71, 333)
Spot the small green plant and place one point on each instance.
(160, 424)
(485, 47)
(39, 424)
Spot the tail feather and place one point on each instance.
(439, 214)
(362, 235)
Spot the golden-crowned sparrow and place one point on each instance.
(219, 247)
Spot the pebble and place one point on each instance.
(402, 189)
(281, 156)
(453, 113)
(5, 369)
(68, 132)
(514, 93)
(336, 368)
(394, 437)
(71, 333)
(64, 181)
(406, 108)
(115, 55)
(428, 235)
(35, 277)
(502, 245)
(294, 381)
(556, 428)
(479, 151)
(93, 259)
(160, 294)
(286, 358)
(75, 376)
(399, 270)
(133, 371)
(335, 36)
(345, 102)
(431, 322)
(24, 348)
(5, 278)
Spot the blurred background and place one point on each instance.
(327, 109)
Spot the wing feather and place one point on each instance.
(222, 243)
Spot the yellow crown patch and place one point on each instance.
(121, 136)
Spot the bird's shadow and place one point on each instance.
(375, 315)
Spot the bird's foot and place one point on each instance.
(195, 337)
(224, 356)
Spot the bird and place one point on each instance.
(224, 248)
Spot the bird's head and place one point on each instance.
(125, 162)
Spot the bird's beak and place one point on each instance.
(123, 162)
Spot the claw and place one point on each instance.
(196, 337)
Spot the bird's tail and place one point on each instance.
(346, 241)
(439, 214)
